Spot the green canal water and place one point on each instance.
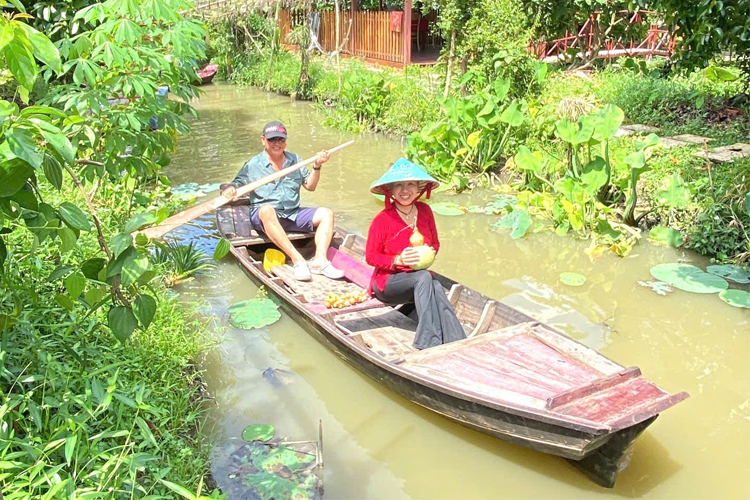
(380, 446)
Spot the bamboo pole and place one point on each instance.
(185, 216)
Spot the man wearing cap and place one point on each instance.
(274, 207)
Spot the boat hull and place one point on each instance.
(598, 456)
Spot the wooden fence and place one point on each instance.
(370, 35)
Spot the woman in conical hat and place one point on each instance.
(401, 244)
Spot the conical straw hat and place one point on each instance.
(401, 171)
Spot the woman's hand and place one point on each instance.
(409, 257)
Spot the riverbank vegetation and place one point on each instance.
(549, 133)
(98, 361)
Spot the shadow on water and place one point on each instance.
(379, 445)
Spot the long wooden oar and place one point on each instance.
(181, 218)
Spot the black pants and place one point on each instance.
(438, 323)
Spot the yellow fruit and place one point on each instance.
(426, 257)
(416, 239)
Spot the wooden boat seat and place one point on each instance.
(385, 331)
(317, 289)
(235, 224)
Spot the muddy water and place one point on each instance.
(380, 446)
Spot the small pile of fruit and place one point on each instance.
(336, 301)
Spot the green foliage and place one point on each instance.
(83, 412)
(471, 136)
(254, 313)
(180, 262)
(689, 278)
(572, 279)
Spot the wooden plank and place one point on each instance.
(574, 350)
(485, 319)
(463, 344)
(317, 289)
(255, 238)
(241, 216)
(455, 294)
(389, 320)
(381, 336)
(592, 387)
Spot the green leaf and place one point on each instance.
(517, 220)
(92, 267)
(512, 115)
(53, 171)
(731, 272)
(526, 160)
(572, 279)
(254, 313)
(567, 130)
(668, 235)
(22, 145)
(122, 322)
(447, 208)
(74, 284)
(65, 301)
(185, 493)
(13, 176)
(594, 175)
(146, 431)
(18, 54)
(3, 252)
(56, 139)
(222, 249)
(473, 139)
(68, 239)
(74, 216)
(689, 278)
(120, 242)
(736, 298)
(716, 74)
(258, 432)
(44, 49)
(747, 204)
(676, 194)
(70, 447)
(651, 140)
(145, 309)
(610, 118)
(138, 221)
(133, 268)
(59, 272)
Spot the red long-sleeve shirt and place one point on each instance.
(389, 235)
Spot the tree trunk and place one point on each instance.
(304, 75)
(449, 72)
(464, 68)
(276, 36)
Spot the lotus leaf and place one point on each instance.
(273, 470)
(671, 237)
(447, 208)
(573, 279)
(736, 298)
(254, 313)
(518, 220)
(258, 432)
(688, 278)
(731, 272)
(658, 286)
(676, 194)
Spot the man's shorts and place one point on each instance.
(303, 224)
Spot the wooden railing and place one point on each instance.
(370, 35)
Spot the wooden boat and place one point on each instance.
(208, 73)
(513, 377)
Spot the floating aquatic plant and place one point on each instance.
(192, 190)
(736, 298)
(258, 432)
(254, 313)
(689, 278)
(181, 262)
(658, 286)
(572, 279)
(731, 272)
(499, 204)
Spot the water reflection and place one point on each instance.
(378, 445)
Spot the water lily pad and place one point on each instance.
(736, 298)
(573, 279)
(447, 208)
(658, 286)
(207, 188)
(254, 313)
(689, 278)
(731, 272)
(258, 432)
